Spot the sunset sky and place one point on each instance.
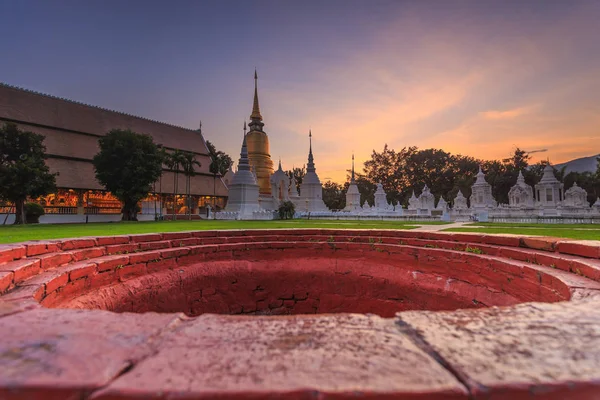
(472, 77)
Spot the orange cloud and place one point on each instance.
(509, 114)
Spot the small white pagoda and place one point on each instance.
(549, 191)
(352, 194)
(243, 190)
(521, 194)
(311, 190)
(481, 193)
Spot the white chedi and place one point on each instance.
(381, 203)
(352, 194)
(521, 194)
(243, 191)
(426, 199)
(413, 202)
(460, 202)
(311, 190)
(548, 191)
(576, 197)
(280, 183)
(442, 205)
(481, 193)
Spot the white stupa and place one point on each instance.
(576, 197)
(243, 189)
(311, 191)
(460, 202)
(521, 194)
(352, 194)
(549, 191)
(280, 186)
(481, 193)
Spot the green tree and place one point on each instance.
(127, 165)
(334, 195)
(287, 209)
(219, 164)
(298, 174)
(23, 170)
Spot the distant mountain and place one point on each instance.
(582, 164)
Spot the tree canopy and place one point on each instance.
(219, 160)
(127, 164)
(23, 170)
(402, 172)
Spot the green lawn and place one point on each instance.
(11, 234)
(570, 231)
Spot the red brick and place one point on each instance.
(176, 235)
(73, 289)
(86, 254)
(36, 248)
(103, 279)
(110, 240)
(106, 263)
(590, 249)
(122, 248)
(80, 270)
(144, 257)
(545, 244)
(203, 234)
(6, 280)
(131, 271)
(73, 244)
(53, 260)
(9, 253)
(171, 253)
(150, 237)
(23, 269)
(57, 281)
(28, 295)
(161, 265)
(155, 245)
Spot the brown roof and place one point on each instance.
(72, 129)
(28, 106)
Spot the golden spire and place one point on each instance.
(255, 108)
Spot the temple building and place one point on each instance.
(258, 150)
(72, 130)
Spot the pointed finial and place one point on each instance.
(352, 180)
(255, 116)
(279, 162)
(245, 128)
(200, 127)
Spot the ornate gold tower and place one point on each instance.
(258, 147)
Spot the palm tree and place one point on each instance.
(188, 163)
(219, 164)
(174, 161)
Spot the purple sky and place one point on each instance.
(471, 77)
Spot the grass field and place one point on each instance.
(11, 233)
(571, 231)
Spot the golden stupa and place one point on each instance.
(258, 147)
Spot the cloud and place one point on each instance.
(509, 114)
